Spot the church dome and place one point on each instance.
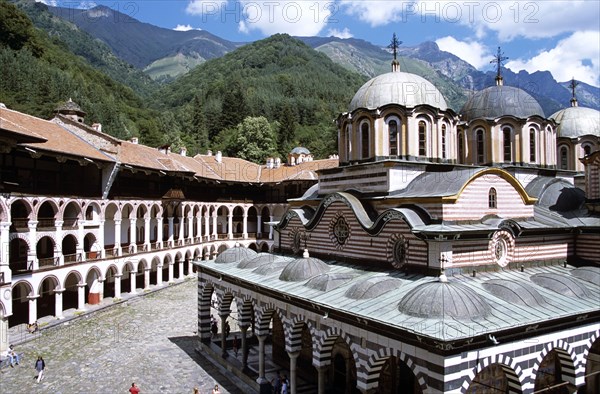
(496, 101)
(514, 292)
(400, 88)
(444, 300)
(300, 150)
(255, 261)
(373, 287)
(235, 254)
(576, 122)
(303, 268)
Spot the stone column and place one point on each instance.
(132, 235)
(258, 226)
(181, 228)
(80, 237)
(261, 359)
(199, 227)
(207, 226)
(190, 227)
(170, 233)
(100, 240)
(230, 226)
(3, 334)
(214, 226)
(118, 236)
(223, 317)
(159, 278)
(171, 272)
(190, 267)
(58, 247)
(271, 219)
(245, 226)
(146, 278)
(159, 232)
(132, 281)
(32, 260)
(321, 381)
(58, 303)
(244, 347)
(180, 270)
(32, 308)
(147, 234)
(81, 296)
(293, 363)
(118, 285)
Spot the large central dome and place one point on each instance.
(497, 101)
(400, 88)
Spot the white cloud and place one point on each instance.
(204, 8)
(340, 33)
(473, 52)
(575, 56)
(185, 28)
(376, 13)
(51, 3)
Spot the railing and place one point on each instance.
(73, 258)
(46, 224)
(70, 223)
(222, 236)
(92, 255)
(154, 246)
(111, 252)
(19, 224)
(48, 261)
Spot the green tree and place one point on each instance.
(254, 139)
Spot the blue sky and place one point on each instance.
(562, 37)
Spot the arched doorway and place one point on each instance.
(343, 371)
(46, 303)
(109, 282)
(71, 294)
(490, 379)
(305, 367)
(45, 252)
(20, 304)
(279, 355)
(592, 369)
(397, 378)
(549, 375)
(18, 255)
(69, 248)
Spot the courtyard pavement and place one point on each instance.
(148, 339)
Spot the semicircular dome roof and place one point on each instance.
(260, 259)
(400, 88)
(561, 284)
(373, 287)
(300, 150)
(326, 282)
(576, 122)
(302, 269)
(514, 292)
(235, 254)
(589, 274)
(444, 300)
(496, 101)
(269, 268)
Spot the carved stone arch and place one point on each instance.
(91, 203)
(143, 209)
(97, 270)
(226, 299)
(4, 211)
(22, 236)
(77, 275)
(128, 264)
(55, 280)
(68, 202)
(588, 346)
(143, 263)
(53, 203)
(117, 214)
(124, 207)
(246, 306)
(294, 335)
(513, 372)
(377, 361)
(28, 286)
(325, 346)
(264, 318)
(204, 304)
(50, 235)
(567, 357)
(113, 267)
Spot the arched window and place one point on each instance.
(492, 199)
(507, 144)
(461, 149)
(532, 145)
(587, 149)
(348, 142)
(443, 141)
(365, 140)
(393, 129)
(422, 138)
(564, 158)
(480, 146)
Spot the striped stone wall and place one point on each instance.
(587, 247)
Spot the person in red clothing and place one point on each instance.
(134, 389)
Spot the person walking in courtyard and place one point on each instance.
(216, 390)
(134, 389)
(40, 365)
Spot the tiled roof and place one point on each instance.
(58, 139)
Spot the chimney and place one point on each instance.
(269, 162)
(133, 140)
(277, 162)
(219, 156)
(183, 151)
(209, 153)
(98, 127)
(2, 106)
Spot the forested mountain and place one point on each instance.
(279, 78)
(39, 73)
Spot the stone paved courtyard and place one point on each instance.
(149, 340)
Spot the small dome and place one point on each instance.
(303, 268)
(589, 274)
(69, 107)
(444, 300)
(328, 282)
(260, 259)
(272, 267)
(514, 292)
(299, 150)
(373, 287)
(561, 196)
(400, 88)
(576, 122)
(234, 255)
(561, 284)
(496, 101)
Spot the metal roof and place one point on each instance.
(497, 101)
